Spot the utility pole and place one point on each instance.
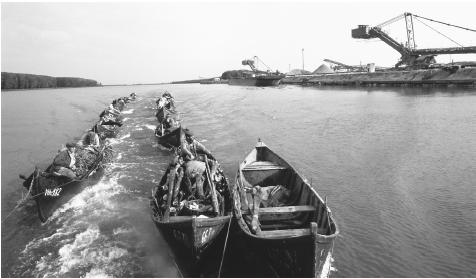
(303, 59)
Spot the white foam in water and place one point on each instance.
(151, 127)
(79, 242)
(100, 193)
(97, 273)
(129, 111)
(68, 254)
(114, 141)
(327, 268)
(121, 230)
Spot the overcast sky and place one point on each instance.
(117, 43)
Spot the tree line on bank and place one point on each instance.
(29, 81)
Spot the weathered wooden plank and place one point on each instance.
(285, 224)
(180, 218)
(286, 209)
(263, 168)
(285, 233)
(263, 165)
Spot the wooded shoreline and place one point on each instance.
(11, 81)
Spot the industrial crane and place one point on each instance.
(251, 63)
(412, 57)
(342, 66)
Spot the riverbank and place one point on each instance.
(445, 77)
(29, 81)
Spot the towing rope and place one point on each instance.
(224, 247)
(23, 199)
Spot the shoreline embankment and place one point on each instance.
(20, 81)
(447, 77)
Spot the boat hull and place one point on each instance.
(162, 112)
(287, 257)
(51, 191)
(196, 242)
(302, 246)
(255, 81)
(107, 131)
(171, 139)
(48, 201)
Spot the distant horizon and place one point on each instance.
(99, 82)
(162, 42)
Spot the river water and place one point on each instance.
(397, 167)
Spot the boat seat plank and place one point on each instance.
(285, 224)
(263, 165)
(180, 218)
(286, 209)
(285, 233)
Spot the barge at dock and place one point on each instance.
(256, 77)
(444, 77)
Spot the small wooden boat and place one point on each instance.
(167, 102)
(163, 112)
(171, 139)
(295, 236)
(107, 131)
(197, 234)
(50, 190)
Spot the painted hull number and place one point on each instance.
(53, 192)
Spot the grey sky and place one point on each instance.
(164, 41)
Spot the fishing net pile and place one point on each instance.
(87, 159)
(107, 155)
(187, 199)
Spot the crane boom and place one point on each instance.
(449, 50)
(250, 63)
(343, 66)
(411, 56)
(337, 63)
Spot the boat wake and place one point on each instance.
(88, 237)
(150, 127)
(83, 241)
(328, 268)
(129, 111)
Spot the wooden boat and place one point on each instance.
(295, 238)
(50, 190)
(171, 139)
(166, 102)
(162, 112)
(196, 237)
(107, 131)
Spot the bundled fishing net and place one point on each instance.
(87, 159)
(107, 156)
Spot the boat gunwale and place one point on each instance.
(156, 219)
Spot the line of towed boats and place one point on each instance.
(277, 216)
(270, 212)
(191, 214)
(50, 188)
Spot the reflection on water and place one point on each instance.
(396, 165)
